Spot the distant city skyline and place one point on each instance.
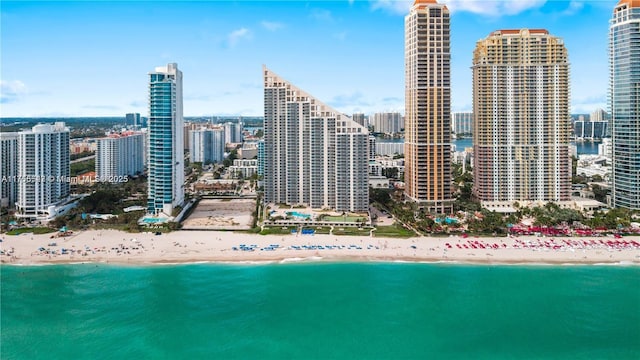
(67, 59)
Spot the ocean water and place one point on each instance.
(320, 311)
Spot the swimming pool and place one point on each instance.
(447, 220)
(298, 214)
(153, 220)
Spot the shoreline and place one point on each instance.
(113, 247)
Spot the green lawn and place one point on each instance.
(351, 231)
(35, 230)
(351, 219)
(393, 231)
(277, 230)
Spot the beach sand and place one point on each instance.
(117, 247)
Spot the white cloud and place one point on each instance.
(574, 7)
(272, 25)
(321, 14)
(237, 35)
(586, 104)
(11, 91)
(482, 7)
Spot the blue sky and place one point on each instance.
(91, 58)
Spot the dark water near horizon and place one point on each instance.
(320, 311)
(582, 148)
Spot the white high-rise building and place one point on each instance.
(120, 156)
(8, 169)
(388, 122)
(314, 155)
(43, 170)
(233, 132)
(207, 145)
(462, 123)
(599, 115)
(361, 119)
(166, 149)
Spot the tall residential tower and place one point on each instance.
(624, 101)
(8, 169)
(119, 156)
(428, 106)
(165, 134)
(314, 155)
(43, 170)
(521, 129)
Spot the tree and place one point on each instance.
(600, 193)
(380, 196)
(232, 156)
(390, 172)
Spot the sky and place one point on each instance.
(92, 58)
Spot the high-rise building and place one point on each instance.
(388, 148)
(43, 170)
(233, 132)
(521, 133)
(314, 155)
(428, 106)
(119, 156)
(462, 123)
(372, 148)
(261, 157)
(8, 169)
(590, 129)
(166, 150)
(624, 101)
(360, 119)
(388, 122)
(599, 115)
(133, 119)
(207, 145)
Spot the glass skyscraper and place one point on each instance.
(166, 148)
(624, 62)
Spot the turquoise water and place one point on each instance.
(299, 214)
(447, 220)
(320, 311)
(153, 220)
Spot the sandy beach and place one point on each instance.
(112, 246)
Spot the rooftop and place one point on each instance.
(630, 3)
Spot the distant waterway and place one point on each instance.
(583, 148)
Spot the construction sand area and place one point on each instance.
(221, 214)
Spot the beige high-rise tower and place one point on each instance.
(521, 124)
(428, 106)
(313, 155)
